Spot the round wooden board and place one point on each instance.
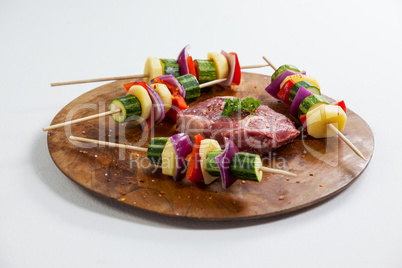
(324, 166)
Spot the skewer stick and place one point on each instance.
(127, 77)
(141, 149)
(98, 80)
(277, 171)
(269, 63)
(340, 135)
(347, 141)
(81, 119)
(254, 66)
(214, 82)
(110, 144)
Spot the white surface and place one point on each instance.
(353, 48)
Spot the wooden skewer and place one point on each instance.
(277, 171)
(340, 135)
(254, 66)
(81, 119)
(347, 141)
(269, 63)
(127, 77)
(110, 144)
(98, 80)
(141, 149)
(214, 82)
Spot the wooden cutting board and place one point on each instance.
(324, 167)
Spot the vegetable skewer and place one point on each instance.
(137, 76)
(217, 66)
(160, 152)
(151, 102)
(311, 108)
(118, 110)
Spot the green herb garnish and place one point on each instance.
(249, 104)
(231, 105)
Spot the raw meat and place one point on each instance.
(261, 133)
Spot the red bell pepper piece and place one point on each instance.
(194, 173)
(178, 104)
(191, 67)
(341, 104)
(303, 120)
(171, 87)
(129, 85)
(283, 93)
(237, 73)
(197, 71)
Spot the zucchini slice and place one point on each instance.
(206, 146)
(191, 86)
(206, 70)
(170, 66)
(155, 149)
(307, 85)
(129, 106)
(310, 103)
(281, 69)
(211, 164)
(246, 166)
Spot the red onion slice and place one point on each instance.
(223, 160)
(157, 105)
(173, 81)
(182, 146)
(274, 87)
(182, 61)
(232, 64)
(301, 94)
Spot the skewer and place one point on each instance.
(217, 81)
(347, 141)
(98, 80)
(254, 66)
(269, 63)
(127, 77)
(81, 119)
(277, 171)
(214, 82)
(110, 144)
(141, 149)
(340, 135)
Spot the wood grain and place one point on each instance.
(325, 167)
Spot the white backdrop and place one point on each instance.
(352, 47)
